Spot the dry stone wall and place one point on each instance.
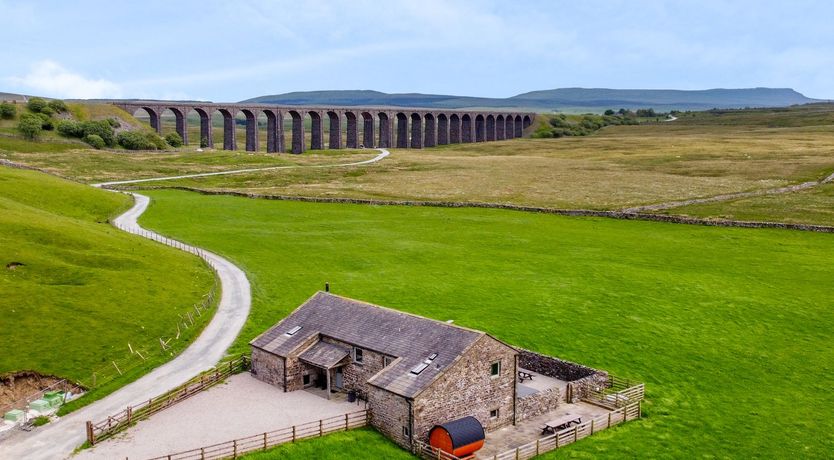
(537, 404)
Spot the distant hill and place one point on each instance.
(566, 99)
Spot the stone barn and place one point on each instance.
(414, 372)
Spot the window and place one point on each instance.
(292, 331)
(493, 413)
(306, 379)
(406, 432)
(386, 360)
(357, 355)
(416, 370)
(495, 369)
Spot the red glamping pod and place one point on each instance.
(461, 437)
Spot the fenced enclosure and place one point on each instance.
(619, 393)
(570, 435)
(263, 441)
(113, 424)
(426, 451)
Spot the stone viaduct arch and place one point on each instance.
(382, 127)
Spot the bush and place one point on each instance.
(7, 111)
(47, 111)
(46, 121)
(174, 140)
(100, 128)
(36, 104)
(95, 141)
(114, 123)
(58, 106)
(30, 126)
(139, 140)
(70, 128)
(609, 112)
(40, 420)
(204, 142)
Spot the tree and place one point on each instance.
(609, 112)
(100, 128)
(7, 111)
(36, 104)
(58, 106)
(174, 140)
(95, 141)
(30, 126)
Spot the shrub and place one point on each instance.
(100, 128)
(114, 123)
(609, 112)
(58, 106)
(36, 104)
(7, 111)
(30, 126)
(95, 141)
(70, 128)
(174, 140)
(139, 140)
(47, 111)
(204, 142)
(40, 420)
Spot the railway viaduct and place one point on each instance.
(383, 127)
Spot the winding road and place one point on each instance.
(57, 440)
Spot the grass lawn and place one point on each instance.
(358, 443)
(729, 328)
(85, 290)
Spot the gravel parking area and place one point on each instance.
(243, 406)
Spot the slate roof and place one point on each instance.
(325, 355)
(400, 335)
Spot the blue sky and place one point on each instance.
(233, 50)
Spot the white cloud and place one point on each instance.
(48, 78)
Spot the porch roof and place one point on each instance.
(324, 355)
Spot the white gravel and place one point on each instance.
(244, 406)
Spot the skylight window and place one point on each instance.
(416, 370)
(293, 330)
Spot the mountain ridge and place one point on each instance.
(592, 99)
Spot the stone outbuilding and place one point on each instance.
(414, 372)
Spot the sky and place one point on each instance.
(227, 51)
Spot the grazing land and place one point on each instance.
(358, 443)
(729, 328)
(85, 290)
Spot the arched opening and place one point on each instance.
(527, 121)
(416, 131)
(229, 139)
(367, 130)
(173, 119)
(352, 140)
(316, 131)
(499, 128)
(442, 129)
(384, 130)
(297, 132)
(490, 127)
(149, 115)
(466, 128)
(430, 132)
(510, 130)
(480, 129)
(274, 131)
(454, 129)
(518, 126)
(335, 130)
(402, 131)
(206, 134)
(251, 123)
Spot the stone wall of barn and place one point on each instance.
(467, 388)
(389, 415)
(295, 368)
(357, 375)
(267, 367)
(537, 403)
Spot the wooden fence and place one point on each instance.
(98, 431)
(620, 393)
(570, 435)
(263, 441)
(428, 452)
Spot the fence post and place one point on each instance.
(264, 441)
(609, 420)
(575, 433)
(293, 433)
(639, 408)
(592, 426)
(321, 427)
(346, 422)
(234, 444)
(537, 447)
(129, 414)
(90, 436)
(202, 453)
(557, 439)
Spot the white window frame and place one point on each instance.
(361, 359)
(497, 374)
(497, 412)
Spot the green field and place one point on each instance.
(359, 443)
(729, 328)
(85, 289)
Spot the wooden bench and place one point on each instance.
(522, 376)
(554, 426)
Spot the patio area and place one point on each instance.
(538, 384)
(510, 437)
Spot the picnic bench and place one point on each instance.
(522, 376)
(554, 426)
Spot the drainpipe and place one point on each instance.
(515, 390)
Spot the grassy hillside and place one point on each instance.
(730, 328)
(85, 290)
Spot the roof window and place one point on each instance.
(292, 331)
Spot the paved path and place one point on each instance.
(58, 439)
